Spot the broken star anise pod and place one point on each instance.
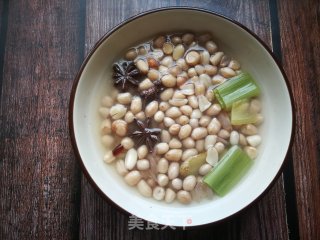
(152, 92)
(145, 134)
(125, 73)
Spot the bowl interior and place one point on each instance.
(96, 81)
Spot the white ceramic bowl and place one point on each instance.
(94, 79)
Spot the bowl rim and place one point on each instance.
(139, 15)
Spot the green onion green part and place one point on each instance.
(229, 170)
(241, 113)
(239, 87)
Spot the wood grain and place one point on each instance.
(300, 31)
(39, 194)
(99, 220)
(1, 13)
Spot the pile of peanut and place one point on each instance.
(191, 120)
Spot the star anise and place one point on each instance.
(124, 73)
(145, 134)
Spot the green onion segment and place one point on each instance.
(239, 87)
(241, 113)
(229, 170)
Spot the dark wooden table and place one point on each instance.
(44, 195)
